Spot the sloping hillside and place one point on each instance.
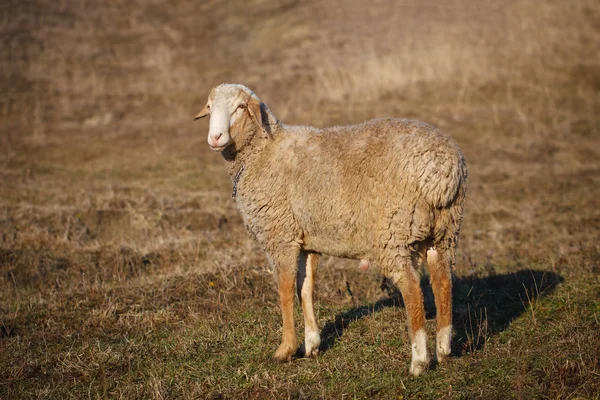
(126, 271)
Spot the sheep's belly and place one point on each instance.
(331, 225)
(353, 247)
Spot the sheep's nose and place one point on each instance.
(217, 136)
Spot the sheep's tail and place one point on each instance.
(443, 179)
(448, 201)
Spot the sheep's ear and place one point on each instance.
(203, 113)
(255, 113)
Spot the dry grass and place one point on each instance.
(125, 270)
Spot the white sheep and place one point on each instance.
(388, 192)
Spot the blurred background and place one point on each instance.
(106, 183)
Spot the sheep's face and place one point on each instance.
(233, 109)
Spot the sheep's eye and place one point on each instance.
(241, 106)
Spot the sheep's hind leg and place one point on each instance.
(405, 277)
(285, 265)
(440, 272)
(307, 269)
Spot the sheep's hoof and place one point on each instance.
(418, 367)
(312, 353)
(284, 353)
(443, 341)
(312, 341)
(441, 355)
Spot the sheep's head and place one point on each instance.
(235, 112)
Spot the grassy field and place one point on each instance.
(125, 271)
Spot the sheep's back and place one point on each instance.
(398, 152)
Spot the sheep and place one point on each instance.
(389, 192)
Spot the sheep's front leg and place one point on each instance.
(405, 277)
(307, 268)
(285, 263)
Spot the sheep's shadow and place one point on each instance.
(482, 307)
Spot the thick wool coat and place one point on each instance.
(371, 191)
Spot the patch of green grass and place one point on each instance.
(171, 345)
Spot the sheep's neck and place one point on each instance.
(234, 162)
(235, 180)
(237, 160)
